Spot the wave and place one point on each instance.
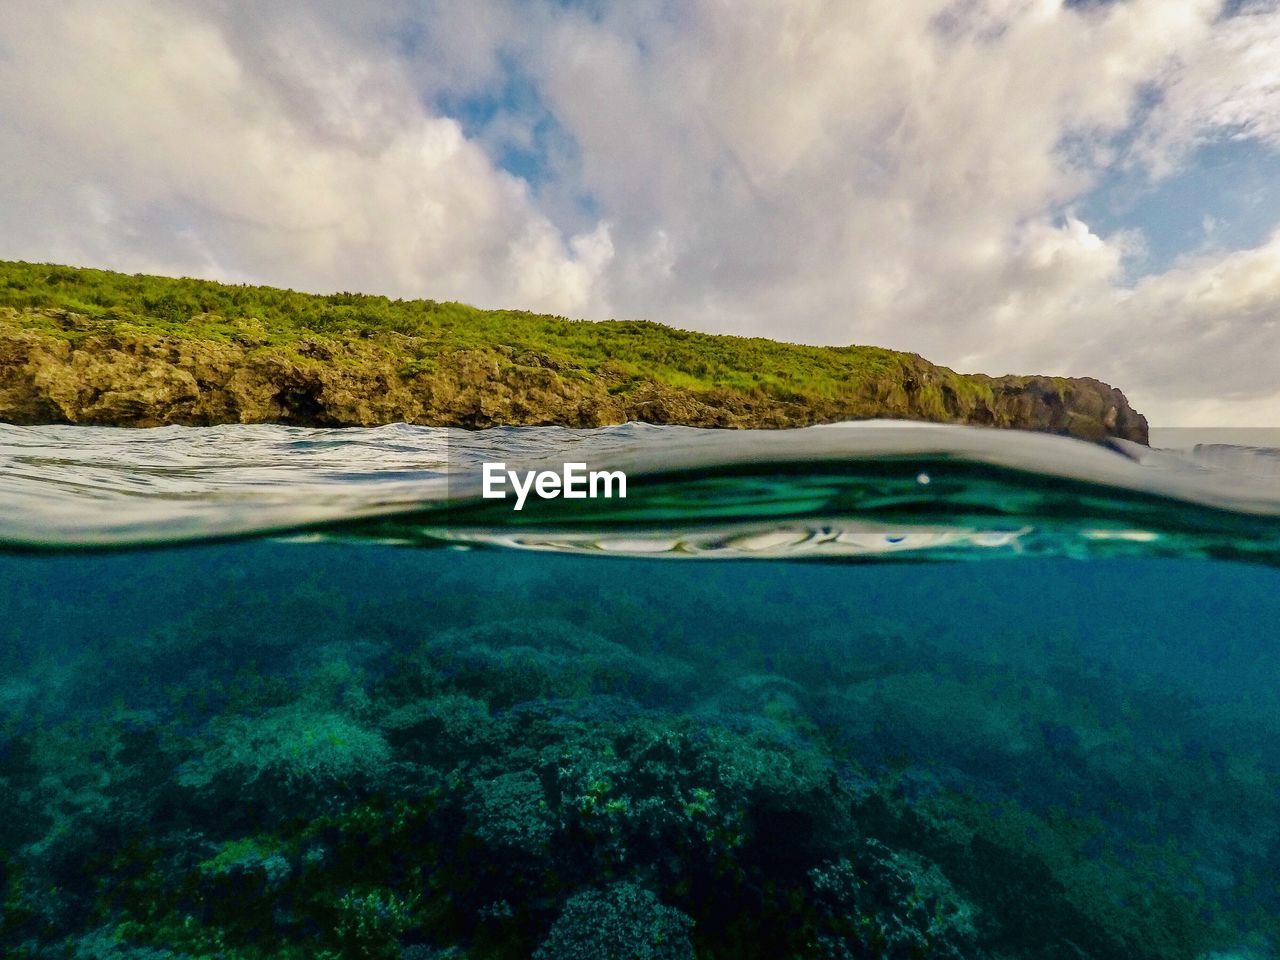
(864, 491)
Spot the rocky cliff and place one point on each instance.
(57, 366)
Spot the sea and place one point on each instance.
(873, 690)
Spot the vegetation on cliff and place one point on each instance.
(90, 346)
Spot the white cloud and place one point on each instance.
(1229, 85)
(1210, 332)
(146, 136)
(905, 174)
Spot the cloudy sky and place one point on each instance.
(1086, 188)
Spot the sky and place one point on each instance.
(1085, 188)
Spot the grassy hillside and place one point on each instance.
(92, 346)
(266, 315)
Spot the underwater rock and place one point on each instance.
(889, 905)
(517, 661)
(369, 924)
(624, 922)
(445, 727)
(105, 944)
(294, 749)
(510, 813)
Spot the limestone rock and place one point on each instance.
(91, 375)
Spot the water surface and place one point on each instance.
(272, 692)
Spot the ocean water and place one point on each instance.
(871, 691)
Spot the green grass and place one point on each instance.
(422, 330)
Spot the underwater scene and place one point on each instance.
(868, 691)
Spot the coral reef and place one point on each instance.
(650, 782)
(625, 922)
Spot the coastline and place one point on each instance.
(62, 367)
(85, 346)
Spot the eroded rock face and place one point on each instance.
(139, 379)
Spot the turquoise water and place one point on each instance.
(841, 693)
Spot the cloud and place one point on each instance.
(1208, 330)
(1229, 85)
(149, 137)
(907, 174)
